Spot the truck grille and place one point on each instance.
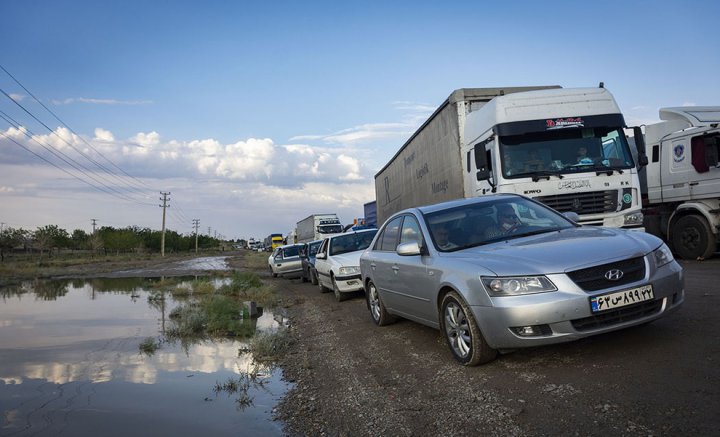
(595, 202)
(618, 316)
(593, 278)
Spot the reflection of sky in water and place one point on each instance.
(73, 365)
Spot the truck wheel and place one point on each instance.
(692, 238)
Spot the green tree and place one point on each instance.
(10, 238)
(80, 239)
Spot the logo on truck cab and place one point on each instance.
(564, 123)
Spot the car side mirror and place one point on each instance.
(321, 256)
(640, 146)
(408, 249)
(481, 162)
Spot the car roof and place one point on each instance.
(360, 231)
(490, 198)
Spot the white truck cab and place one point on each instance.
(681, 183)
(563, 147)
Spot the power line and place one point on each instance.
(71, 130)
(62, 156)
(65, 141)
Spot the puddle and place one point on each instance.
(70, 363)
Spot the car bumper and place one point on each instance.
(349, 284)
(565, 315)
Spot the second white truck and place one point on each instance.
(563, 147)
(317, 227)
(681, 183)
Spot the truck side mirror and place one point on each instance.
(481, 162)
(640, 145)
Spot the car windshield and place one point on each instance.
(351, 242)
(564, 151)
(482, 223)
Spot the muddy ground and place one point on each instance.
(355, 379)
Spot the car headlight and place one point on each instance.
(662, 255)
(351, 270)
(517, 285)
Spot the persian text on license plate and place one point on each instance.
(621, 298)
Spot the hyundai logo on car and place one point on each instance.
(614, 275)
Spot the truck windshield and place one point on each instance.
(564, 151)
(330, 229)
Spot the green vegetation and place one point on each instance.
(268, 347)
(21, 244)
(148, 346)
(220, 312)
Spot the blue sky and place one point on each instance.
(257, 114)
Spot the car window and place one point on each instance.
(389, 239)
(313, 248)
(291, 251)
(410, 231)
(323, 247)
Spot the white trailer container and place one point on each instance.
(520, 140)
(317, 227)
(681, 183)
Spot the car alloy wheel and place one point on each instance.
(376, 306)
(462, 332)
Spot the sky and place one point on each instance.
(254, 115)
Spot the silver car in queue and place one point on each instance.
(501, 272)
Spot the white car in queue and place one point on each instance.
(501, 272)
(285, 261)
(337, 262)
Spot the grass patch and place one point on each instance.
(149, 346)
(267, 347)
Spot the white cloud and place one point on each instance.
(147, 140)
(17, 97)
(103, 135)
(689, 104)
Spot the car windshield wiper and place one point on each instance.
(602, 169)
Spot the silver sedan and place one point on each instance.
(502, 272)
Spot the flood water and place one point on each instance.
(71, 364)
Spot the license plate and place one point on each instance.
(621, 298)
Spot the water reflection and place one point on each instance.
(69, 362)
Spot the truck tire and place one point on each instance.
(692, 238)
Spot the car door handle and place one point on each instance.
(396, 268)
(693, 183)
(372, 266)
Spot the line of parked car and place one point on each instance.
(495, 273)
(333, 264)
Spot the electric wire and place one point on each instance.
(71, 130)
(62, 156)
(66, 142)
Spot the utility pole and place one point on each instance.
(2, 226)
(93, 224)
(164, 206)
(196, 225)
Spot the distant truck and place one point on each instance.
(317, 227)
(272, 241)
(525, 140)
(370, 211)
(681, 182)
